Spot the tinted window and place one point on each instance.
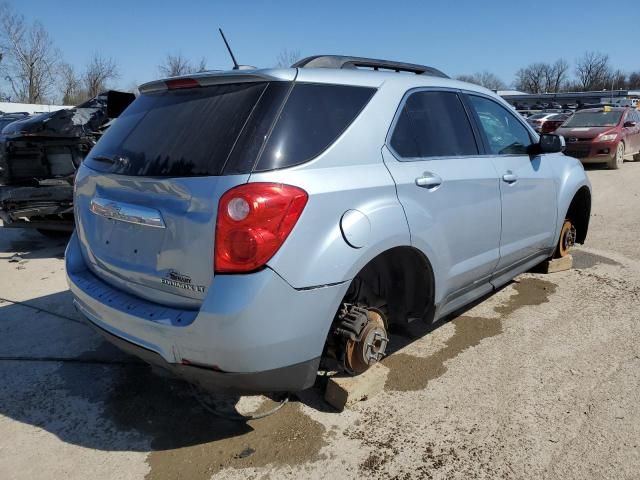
(433, 124)
(504, 133)
(312, 119)
(187, 132)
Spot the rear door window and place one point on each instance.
(314, 116)
(433, 124)
(504, 133)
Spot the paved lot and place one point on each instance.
(540, 380)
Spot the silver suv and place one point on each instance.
(239, 228)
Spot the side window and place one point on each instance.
(314, 116)
(505, 134)
(433, 124)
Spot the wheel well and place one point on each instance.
(579, 213)
(399, 281)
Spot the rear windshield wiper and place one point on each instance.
(104, 159)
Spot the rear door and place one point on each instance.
(147, 195)
(450, 194)
(527, 183)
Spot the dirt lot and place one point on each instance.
(540, 380)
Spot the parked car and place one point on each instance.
(240, 228)
(552, 123)
(603, 135)
(39, 156)
(526, 113)
(546, 122)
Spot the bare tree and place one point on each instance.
(543, 77)
(178, 64)
(593, 71)
(531, 79)
(617, 80)
(97, 73)
(286, 58)
(202, 65)
(70, 85)
(174, 65)
(634, 81)
(30, 54)
(484, 79)
(556, 76)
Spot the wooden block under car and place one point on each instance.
(343, 392)
(557, 265)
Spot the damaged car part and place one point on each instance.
(39, 156)
(362, 337)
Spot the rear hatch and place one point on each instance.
(147, 194)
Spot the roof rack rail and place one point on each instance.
(341, 61)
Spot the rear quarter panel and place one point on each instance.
(349, 175)
(571, 177)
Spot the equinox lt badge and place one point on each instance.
(175, 279)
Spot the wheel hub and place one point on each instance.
(570, 238)
(365, 337)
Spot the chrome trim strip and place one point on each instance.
(126, 212)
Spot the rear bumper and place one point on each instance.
(253, 332)
(286, 379)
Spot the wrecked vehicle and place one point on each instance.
(39, 157)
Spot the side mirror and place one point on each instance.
(630, 124)
(550, 143)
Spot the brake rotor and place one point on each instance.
(567, 239)
(370, 346)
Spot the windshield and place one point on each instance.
(538, 116)
(594, 119)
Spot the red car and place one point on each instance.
(603, 135)
(546, 122)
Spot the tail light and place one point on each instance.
(177, 83)
(253, 222)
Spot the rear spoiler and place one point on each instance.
(206, 79)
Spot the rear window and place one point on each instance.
(188, 132)
(226, 129)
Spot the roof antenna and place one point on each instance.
(235, 64)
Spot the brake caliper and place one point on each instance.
(364, 337)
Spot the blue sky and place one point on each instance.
(456, 37)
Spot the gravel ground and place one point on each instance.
(539, 380)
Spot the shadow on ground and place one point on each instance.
(100, 398)
(65, 379)
(30, 244)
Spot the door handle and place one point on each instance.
(429, 180)
(510, 177)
